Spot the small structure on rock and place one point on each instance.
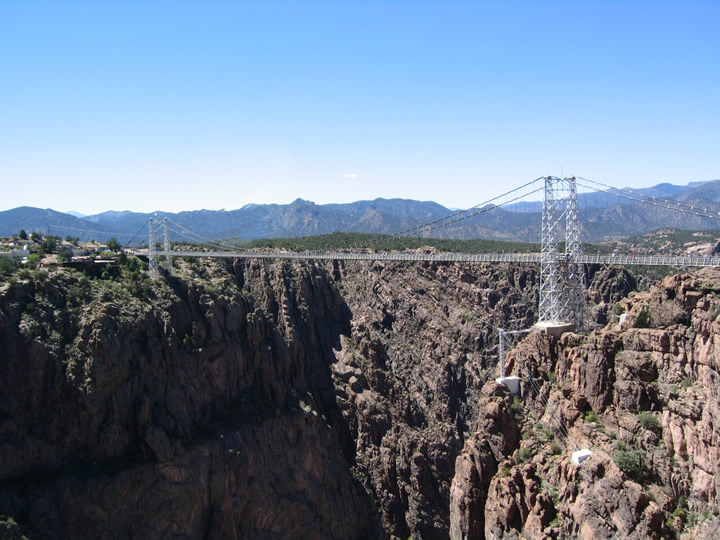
(580, 455)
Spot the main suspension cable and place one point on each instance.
(660, 202)
(427, 226)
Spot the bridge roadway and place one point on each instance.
(642, 260)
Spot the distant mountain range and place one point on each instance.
(603, 216)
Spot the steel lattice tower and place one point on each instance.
(154, 257)
(166, 247)
(574, 291)
(154, 264)
(562, 279)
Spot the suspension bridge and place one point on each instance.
(561, 259)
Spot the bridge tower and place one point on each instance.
(562, 279)
(166, 247)
(153, 256)
(154, 263)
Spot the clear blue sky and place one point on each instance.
(178, 105)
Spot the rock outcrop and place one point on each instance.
(644, 397)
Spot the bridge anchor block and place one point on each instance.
(580, 455)
(513, 384)
(554, 328)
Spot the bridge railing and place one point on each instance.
(642, 260)
(651, 260)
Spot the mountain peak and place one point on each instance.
(300, 201)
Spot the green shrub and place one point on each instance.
(517, 406)
(113, 245)
(681, 509)
(543, 433)
(618, 309)
(49, 244)
(34, 260)
(551, 490)
(64, 254)
(632, 463)
(590, 416)
(523, 455)
(650, 422)
(9, 529)
(7, 265)
(643, 318)
(681, 513)
(702, 516)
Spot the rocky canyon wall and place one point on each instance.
(190, 413)
(642, 394)
(250, 399)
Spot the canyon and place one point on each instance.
(251, 399)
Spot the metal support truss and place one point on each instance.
(574, 290)
(154, 264)
(154, 257)
(562, 279)
(166, 247)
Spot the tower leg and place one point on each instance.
(166, 247)
(154, 265)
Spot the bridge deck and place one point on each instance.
(644, 260)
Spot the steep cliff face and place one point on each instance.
(644, 397)
(189, 412)
(344, 400)
(409, 378)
